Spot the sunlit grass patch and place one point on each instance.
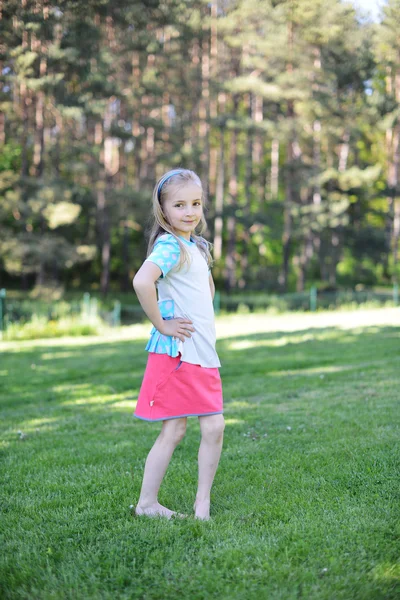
(321, 371)
(388, 572)
(30, 425)
(60, 355)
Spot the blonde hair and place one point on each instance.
(160, 224)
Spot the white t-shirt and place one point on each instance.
(184, 292)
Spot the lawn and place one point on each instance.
(306, 501)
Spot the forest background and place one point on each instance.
(288, 110)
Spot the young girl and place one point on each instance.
(181, 378)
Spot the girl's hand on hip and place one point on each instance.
(179, 328)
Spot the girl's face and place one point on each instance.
(183, 209)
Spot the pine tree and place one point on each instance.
(388, 53)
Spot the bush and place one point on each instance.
(40, 327)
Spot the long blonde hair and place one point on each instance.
(160, 224)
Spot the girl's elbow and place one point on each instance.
(139, 283)
(136, 282)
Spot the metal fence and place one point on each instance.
(89, 309)
(310, 300)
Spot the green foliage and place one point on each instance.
(41, 327)
(100, 99)
(62, 213)
(10, 159)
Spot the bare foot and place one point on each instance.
(202, 510)
(155, 510)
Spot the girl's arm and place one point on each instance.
(212, 286)
(144, 284)
(145, 288)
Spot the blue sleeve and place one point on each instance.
(165, 254)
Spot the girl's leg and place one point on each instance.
(212, 433)
(157, 462)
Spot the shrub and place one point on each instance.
(40, 327)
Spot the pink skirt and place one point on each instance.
(172, 388)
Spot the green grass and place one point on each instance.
(305, 502)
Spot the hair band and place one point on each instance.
(165, 178)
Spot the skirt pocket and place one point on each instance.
(164, 380)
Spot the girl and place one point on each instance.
(181, 378)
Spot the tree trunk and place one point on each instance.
(204, 107)
(110, 167)
(258, 141)
(230, 281)
(219, 198)
(289, 179)
(394, 183)
(311, 240)
(104, 222)
(393, 154)
(287, 207)
(125, 279)
(136, 79)
(212, 174)
(390, 197)
(2, 115)
(248, 182)
(344, 152)
(38, 152)
(274, 183)
(24, 95)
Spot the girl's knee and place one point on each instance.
(174, 430)
(180, 432)
(212, 428)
